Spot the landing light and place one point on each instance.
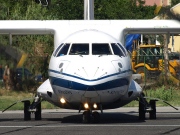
(95, 106)
(86, 106)
(62, 100)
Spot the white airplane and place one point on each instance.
(89, 69)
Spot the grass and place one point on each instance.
(8, 97)
(170, 94)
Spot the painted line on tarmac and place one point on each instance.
(97, 125)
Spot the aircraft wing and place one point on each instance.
(24, 27)
(63, 28)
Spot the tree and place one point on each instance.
(122, 9)
(174, 2)
(165, 13)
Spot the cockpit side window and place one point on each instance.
(79, 49)
(63, 50)
(56, 51)
(117, 50)
(101, 49)
(123, 49)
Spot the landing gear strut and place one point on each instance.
(89, 116)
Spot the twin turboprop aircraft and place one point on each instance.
(90, 69)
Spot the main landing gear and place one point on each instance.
(144, 107)
(150, 107)
(35, 108)
(29, 108)
(89, 116)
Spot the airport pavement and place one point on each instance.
(122, 109)
(121, 121)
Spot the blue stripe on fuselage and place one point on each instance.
(78, 86)
(54, 71)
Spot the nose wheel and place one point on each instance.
(96, 117)
(89, 116)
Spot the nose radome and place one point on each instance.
(94, 70)
(90, 70)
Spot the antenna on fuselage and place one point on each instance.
(88, 9)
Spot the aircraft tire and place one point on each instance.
(86, 117)
(152, 113)
(27, 114)
(142, 111)
(96, 117)
(38, 112)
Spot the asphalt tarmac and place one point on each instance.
(122, 121)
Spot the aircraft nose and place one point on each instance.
(93, 70)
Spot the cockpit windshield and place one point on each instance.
(56, 51)
(100, 49)
(79, 49)
(85, 49)
(63, 50)
(123, 49)
(117, 50)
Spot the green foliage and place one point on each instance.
(174, 2)
(70, 9)
(67, 9)
(10, 97)
(170, 94)
(122, 9)
(161, 93)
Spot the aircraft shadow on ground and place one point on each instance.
(104, 118)
(109, 117)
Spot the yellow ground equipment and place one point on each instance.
(148, 60)
(16, 55)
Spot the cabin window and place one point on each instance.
(79, 49)
(63, 50)
(117, 50)
(101, 49)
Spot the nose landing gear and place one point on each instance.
(89, 116)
